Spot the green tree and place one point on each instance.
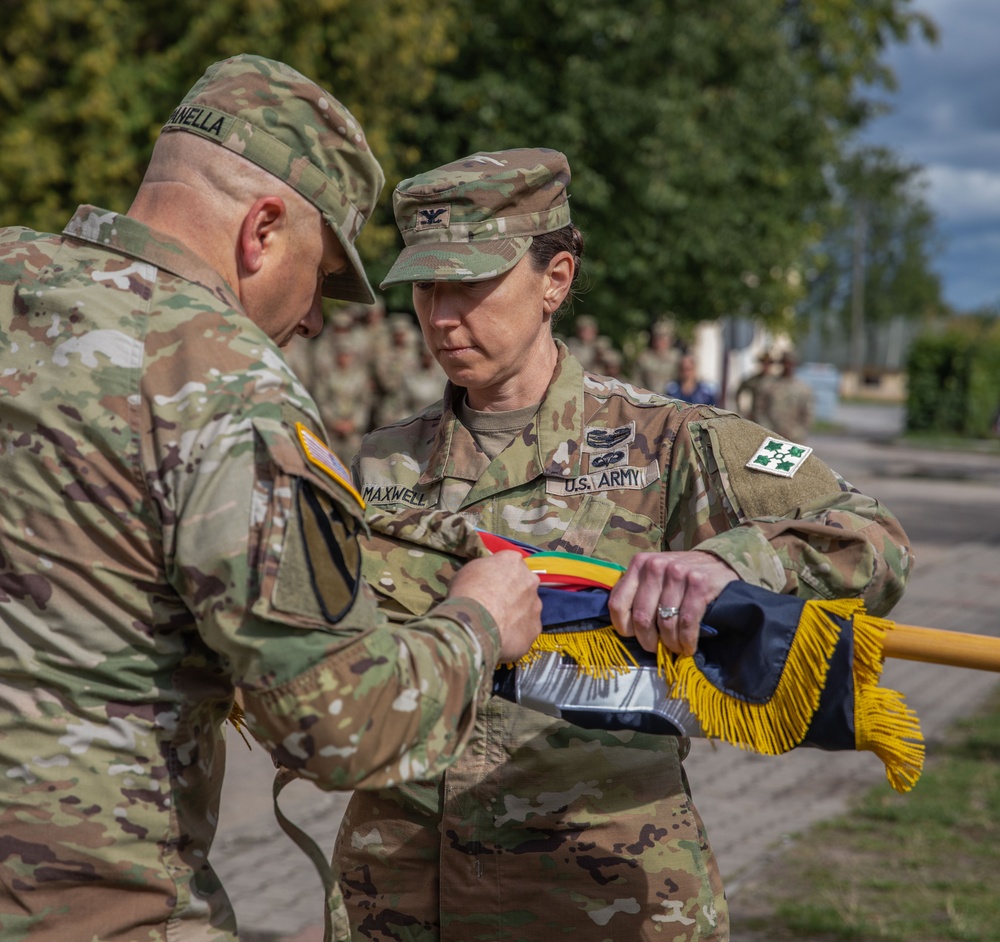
(699, 133)
(85, 85)
(875, 261)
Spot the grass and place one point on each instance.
(922, 867)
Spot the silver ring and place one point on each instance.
(666, 613)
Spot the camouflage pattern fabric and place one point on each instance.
(166, 535)
(450, 217)
(655, 368)
(749, 399)
(542, 828)
(785, 404)
(275, 117)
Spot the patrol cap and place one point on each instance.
(275, 117)
(664, 327)
(474, 218)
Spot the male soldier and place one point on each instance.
(657, 364)
(391, 363)
(748, 392)
(174, 525)
(344, 396)
(786, 403)
(583, 343)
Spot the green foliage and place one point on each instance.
(881, 231)
(85, 85)
(954, 379)
(699, 133)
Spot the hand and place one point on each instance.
(508, 590)
(687, 580)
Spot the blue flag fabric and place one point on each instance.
(771, 672)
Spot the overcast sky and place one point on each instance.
(946, 117)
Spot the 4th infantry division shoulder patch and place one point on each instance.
(776, 456)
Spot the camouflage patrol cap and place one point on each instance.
(275, 117)
(475, 218)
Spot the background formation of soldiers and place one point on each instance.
(369, 369)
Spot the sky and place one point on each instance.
(946, 118)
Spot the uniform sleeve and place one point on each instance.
(261, 544)
(809, 534)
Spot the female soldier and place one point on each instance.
(543, 828)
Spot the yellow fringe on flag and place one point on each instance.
(238, 720)
(599, 653)
(883, 724)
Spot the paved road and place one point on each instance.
(950, 506)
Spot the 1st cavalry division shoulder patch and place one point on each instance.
(776, 456)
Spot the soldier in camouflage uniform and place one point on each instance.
(543, 828)
(390, 366)
(657, 365)
(345, 397)
(583, 341)
(748, 397)
(785, 403)
(174, 525)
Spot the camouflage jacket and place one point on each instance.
(172, 526)
(606, 470)
(785, 404)
(609, 470)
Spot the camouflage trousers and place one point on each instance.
(541, 830)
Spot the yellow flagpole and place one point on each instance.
(939, 646)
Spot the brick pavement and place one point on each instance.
(752, 805)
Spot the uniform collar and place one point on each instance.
(121, 233)
(548, 445)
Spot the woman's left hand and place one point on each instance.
(663, 596)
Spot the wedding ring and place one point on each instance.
(666, 613)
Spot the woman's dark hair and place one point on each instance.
(547, 246)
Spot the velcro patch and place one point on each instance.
(776, 456)
(626, 478)
(321, 457)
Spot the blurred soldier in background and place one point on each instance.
(786, 403)
(424, 385)
(344, 395)
(607, 358)
(583, 343)
(748, 393)
(369, 331)
(657, 364)
(391, 363)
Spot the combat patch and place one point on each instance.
(320, 456)
(776, 456)
(601, 439)
(628, 478)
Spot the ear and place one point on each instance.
(260, 228)
(558, 280)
